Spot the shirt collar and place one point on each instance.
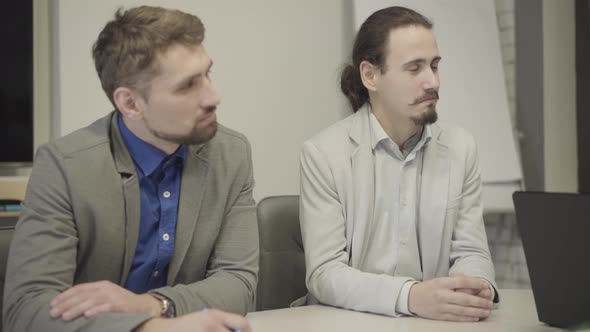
(378, 134)
(146, 156)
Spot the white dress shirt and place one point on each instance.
(395, 243)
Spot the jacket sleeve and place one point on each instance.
(42, 257)
(329, 277)
(470, 254)
(232, 271)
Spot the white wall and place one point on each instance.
(276, 66)
(559, 62)
(276, 69)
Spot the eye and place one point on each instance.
(434, 65)
(414, 68)
(188, 85)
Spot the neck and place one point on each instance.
(398, 129)
(141, 131)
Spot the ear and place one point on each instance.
(369, 75)
(128, 102)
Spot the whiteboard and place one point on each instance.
(473, 93)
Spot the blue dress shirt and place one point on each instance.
(159, 177)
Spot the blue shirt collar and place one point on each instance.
(146, 157)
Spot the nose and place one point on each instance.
(210, 98)
(431, 80)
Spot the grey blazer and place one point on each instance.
(336, 211)
(80, 223)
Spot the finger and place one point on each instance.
(63, 296)
(486, 294)
(72, 291)
(466, 311)
(468, 291)
(77, 310)
(66, 304)
(467, 300)
(234, 322)
(98, 309)
(83, 294)
(457, 282)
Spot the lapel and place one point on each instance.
(433, 201)
(363, 187)
(126, 168)
(194, 177)
(191, 194)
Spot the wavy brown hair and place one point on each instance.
(125, 51)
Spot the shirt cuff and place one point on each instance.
(492, 290)
(401, 305)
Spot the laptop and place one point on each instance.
(555, 232)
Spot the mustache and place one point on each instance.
(430, 94)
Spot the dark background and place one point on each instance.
(16, 81)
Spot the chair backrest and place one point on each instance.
(11, 188)
(6, 230)
(282, 262)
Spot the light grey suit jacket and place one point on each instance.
(80, 223)
(336, 211)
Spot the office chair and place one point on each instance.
(6, 230)
(281, 279)
(12, 191)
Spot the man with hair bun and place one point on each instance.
(390, 210)
(146, 217)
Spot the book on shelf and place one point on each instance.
(10, 205)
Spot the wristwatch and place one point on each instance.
(168, 308)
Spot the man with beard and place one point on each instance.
(147, 214)
(391, 214)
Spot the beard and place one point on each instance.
(429, 116)
(195, 136)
